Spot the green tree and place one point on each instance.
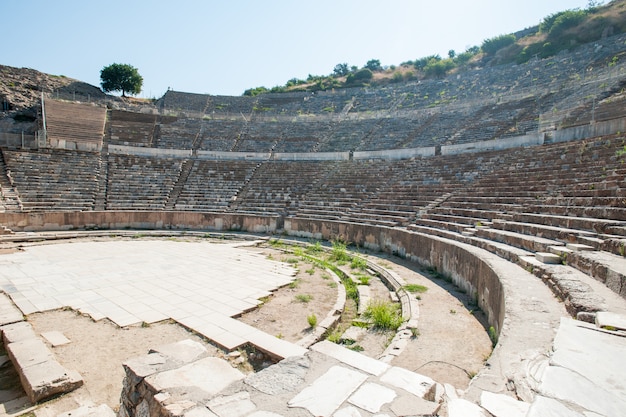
(341, 70)
(373, 65)
(121, 77)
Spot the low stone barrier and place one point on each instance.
(41, 375)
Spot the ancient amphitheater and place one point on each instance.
(507, 181)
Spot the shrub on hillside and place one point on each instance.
(493, 45)
(361, 76)
(255, 91)
(421, 63)
(438, 69)
(566, 20)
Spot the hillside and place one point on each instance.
(561, 31)
(20, 88)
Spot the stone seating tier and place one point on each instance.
(54, 179)
(74, 122)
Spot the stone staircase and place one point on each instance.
(179, 184)
(10, 199)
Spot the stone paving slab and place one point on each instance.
(55, 338)
(349, 357)
(464, 408)
(235, 405)
(548, 407)
(335, 386)
(371, 397)
(8, 313)
(599, 356)
(205, 377)
(503, 405)
(584, 369)
(416, 384)
(130, 282)
(183, 351)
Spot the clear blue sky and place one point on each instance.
(226, 47)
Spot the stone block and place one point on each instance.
(349, 357)
(55, 338)
(371, 397)
(201, 379)
(605, 319)
(143, 366)
(8, 312)
(281, 378)
(184, 351)
(414, 383)
(17, 332)
(579, 247)
(547, 258)
(46, 379)
(236, 405)
(29, 352)
(501, 405)
(464, 408)
(410, 405)
(334, 387)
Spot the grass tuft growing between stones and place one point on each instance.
(384, 315)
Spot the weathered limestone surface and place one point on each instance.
(161, 385)
(605, 319)
(503, 405)
(8, 312)
(41, 375)
(585, 372)
(464, 408)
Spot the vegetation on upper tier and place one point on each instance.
(556, 32)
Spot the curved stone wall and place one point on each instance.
(456, 260)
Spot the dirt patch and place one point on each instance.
(452, 343)
(97, 351)
(285, 314)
